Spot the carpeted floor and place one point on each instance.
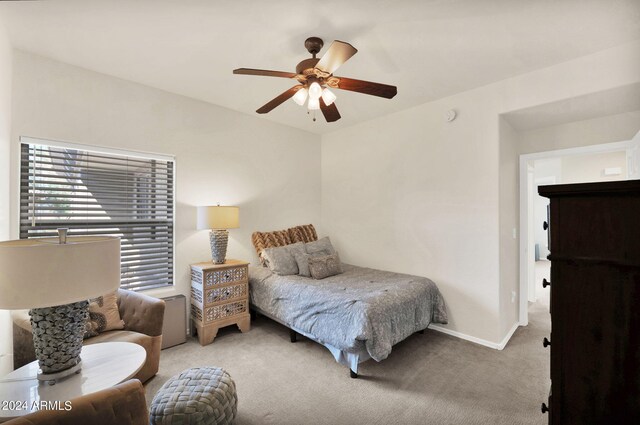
(428, 379)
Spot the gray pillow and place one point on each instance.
(324, 266)
(322, 246)
(281, 260)
(302, 259)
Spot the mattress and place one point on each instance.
(357, 314)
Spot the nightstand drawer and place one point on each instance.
(223, 311)
(218, 294)
(221, 277)
(226, 293)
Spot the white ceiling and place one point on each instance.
(428, 48)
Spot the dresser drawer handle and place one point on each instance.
(545, 225)
(544, 408)
(545, 283)
(546, 342)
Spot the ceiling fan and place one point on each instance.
(315, 77)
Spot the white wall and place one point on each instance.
(606, 129)
(410, 192)
(590, 168)
(508, 227)
(6, 360)
(272, 172)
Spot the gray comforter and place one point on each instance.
(361, 305)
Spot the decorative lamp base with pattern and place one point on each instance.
(57, 339)
(55, 277)
(219, 239)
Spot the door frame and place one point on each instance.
(631, 147)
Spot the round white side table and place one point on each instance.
(103, 365)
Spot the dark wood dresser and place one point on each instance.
(595, 303)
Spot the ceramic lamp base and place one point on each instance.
(218, 239)
(51, 378)
(57, 338)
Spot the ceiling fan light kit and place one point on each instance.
(315, 91)
(301, 96)
(315, 76)
(328, 97)
(314, 104)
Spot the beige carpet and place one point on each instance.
(427, 379)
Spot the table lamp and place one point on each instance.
(55, 278)
(218, 219)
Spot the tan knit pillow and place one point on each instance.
(325, 266)
(103, 315)
(304, 233)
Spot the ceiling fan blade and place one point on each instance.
(367, 87)
(338, 53)
(330, 112)
(279, 100)
(264, 73)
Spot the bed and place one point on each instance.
(357, 315)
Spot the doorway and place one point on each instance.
(575, 165)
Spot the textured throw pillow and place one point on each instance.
(103, 315)
(324, 266)
(281, 260)
(322, 247)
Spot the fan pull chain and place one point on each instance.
(314, 115)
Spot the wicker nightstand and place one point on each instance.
(219, 298)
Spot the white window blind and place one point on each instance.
(96, 193)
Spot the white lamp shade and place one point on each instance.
(44, 273)
(314, 104)
(218, 217)
(315, 91)
(300, 97)
(328, 97)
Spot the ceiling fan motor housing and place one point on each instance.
(307, 65)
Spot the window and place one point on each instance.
(94, 192)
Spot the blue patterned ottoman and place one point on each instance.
(200, 395)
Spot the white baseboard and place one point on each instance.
(494, 345)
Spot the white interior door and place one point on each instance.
(531, 246)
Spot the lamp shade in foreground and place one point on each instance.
(42, 272)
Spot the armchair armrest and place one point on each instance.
(141, 313)
(123, 404)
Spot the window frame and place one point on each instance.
(103, 150)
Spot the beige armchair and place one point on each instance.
(142, 315)
(123, 404)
